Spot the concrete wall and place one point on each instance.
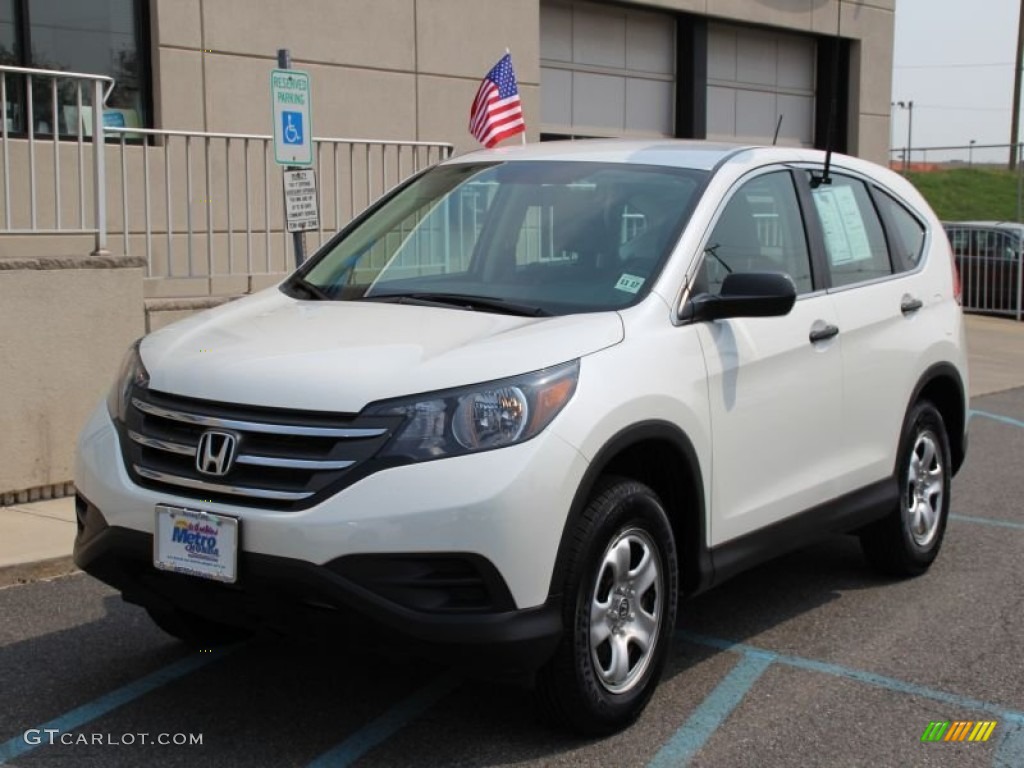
(386, 69)
(66, 325)
(408, 69)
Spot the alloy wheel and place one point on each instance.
(925, 488)
(626, 609)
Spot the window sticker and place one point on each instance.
(845, 235)
(629, 283)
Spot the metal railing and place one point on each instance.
(989, 259)
(202, 204)
(34, 103)
(196, 204)
(953, 155)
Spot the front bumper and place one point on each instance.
(508, 506)
(292, 596)
(501, 511)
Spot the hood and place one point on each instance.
(272, 350)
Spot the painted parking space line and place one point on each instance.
(1010, 749)
(711, 713)
(17, 746)
(997, 417)
(1010, 716)
(987, 521)
(387, 725)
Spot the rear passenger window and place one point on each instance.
(854, 239)
(906, 233)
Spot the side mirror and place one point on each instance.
(748, 294)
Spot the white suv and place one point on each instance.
(534, 396)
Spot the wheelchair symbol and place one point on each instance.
(291, 127)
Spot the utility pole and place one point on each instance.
(1015, 121)
(910, 130)
(909, 106)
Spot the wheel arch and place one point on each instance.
(942, 385)
(660, 455)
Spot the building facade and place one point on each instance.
(408, 69)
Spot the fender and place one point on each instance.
(957, 432)
(696, 572)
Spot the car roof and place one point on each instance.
(699, 155)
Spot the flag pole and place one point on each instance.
(522, 136)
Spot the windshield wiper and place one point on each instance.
(312, 291)
(464, 301)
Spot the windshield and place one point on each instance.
(539, 237)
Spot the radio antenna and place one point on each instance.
(830, 131)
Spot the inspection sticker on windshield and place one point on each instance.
(197, 543)
(629, 283)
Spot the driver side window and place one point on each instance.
(760, 230)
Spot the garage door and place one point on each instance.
(606, 71)
(754, 77)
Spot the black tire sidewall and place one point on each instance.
(626, 504)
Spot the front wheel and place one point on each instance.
(908, 539)
(620, 590)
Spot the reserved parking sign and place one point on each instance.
(290, 97)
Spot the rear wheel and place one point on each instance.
(197, 631)
(620, 591)
(908, 539)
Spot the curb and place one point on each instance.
(25, 573)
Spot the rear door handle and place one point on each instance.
(823, 332)
(910, 304)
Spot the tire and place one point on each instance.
(196, 631)
(622, 545)
(907, 540)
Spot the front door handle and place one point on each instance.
(822, 332)
(910, 304)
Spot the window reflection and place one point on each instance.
(91, 36)
(8, 52)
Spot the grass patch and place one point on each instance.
(965, 194)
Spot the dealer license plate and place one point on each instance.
(197, 543)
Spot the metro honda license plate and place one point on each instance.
(197, 543)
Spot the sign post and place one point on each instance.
(293, 146)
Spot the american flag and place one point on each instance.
(497, 112)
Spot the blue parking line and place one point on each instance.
(387, 725)
(1010, 749)
(711, 713)
(987, 521)
(16, 747)
(998, 417)
(870, 678)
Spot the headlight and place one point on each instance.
(480, 417)
(132, 373)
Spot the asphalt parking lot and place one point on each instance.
(810, 660)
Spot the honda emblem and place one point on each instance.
(215, 453)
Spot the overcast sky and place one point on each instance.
(954, 60)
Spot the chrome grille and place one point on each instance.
(284, 459)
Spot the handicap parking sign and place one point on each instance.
(292, 118)
(291, 127)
